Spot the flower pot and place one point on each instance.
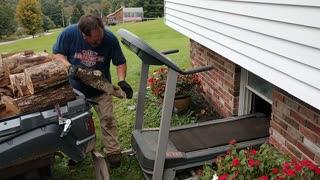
(182, 102)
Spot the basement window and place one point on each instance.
(255, 94)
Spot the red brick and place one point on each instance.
(277, 95)
(295, 152)
(310, 135)
(298, 117)
(276, 126)
(292, 122)
(291, 103)
(289, 137)
(305, 150)
(313, 127)
(317, 159)
(306, 113)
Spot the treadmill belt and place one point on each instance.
(208, 136)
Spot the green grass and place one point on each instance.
(162, 38)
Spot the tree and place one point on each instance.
(29, 13)
(47, 23)
(79, 7)
(75, 15)
(151, 8)
(54, 10)
(8, 24)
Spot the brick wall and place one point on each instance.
(295, 127)
(222, 84)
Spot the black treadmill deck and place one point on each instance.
(202, 141)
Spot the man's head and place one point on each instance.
(92, 29)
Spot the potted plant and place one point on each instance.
(185, 87)
(264, 164)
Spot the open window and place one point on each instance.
(255, 94)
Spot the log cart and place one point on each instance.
(42, 115)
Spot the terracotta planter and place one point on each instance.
(180, 102)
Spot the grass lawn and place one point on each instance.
(160, 37)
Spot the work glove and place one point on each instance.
(126, 88)
(73, 71)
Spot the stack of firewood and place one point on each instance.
(30, 81)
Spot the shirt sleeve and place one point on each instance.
(118, 57)
(60, 45)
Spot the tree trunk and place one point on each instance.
(45, 75)
(18, 84)
(17, 63)
(95, 79)
(59, 94)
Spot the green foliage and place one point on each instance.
(8, 24)
(151, 8)
(266, 163)
(47, 23)
(54, 10)
(75, 16)
(28, 13)
(79, 7)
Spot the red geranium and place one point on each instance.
(186, 84)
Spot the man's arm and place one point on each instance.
(62, 58)
(122, 72)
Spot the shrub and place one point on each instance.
(186, 84)
(264, 164)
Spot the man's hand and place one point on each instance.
(126, 88)
(73, 71)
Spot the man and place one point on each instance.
(89, 45)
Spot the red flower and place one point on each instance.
(199, 172)
(251, 162)
(291, 172)
(229, 152)
(223, 177)
(317, 171)
(235, 162)
(263, 178)
(275, 170)
(236, 173)
(286, 165)
(253, 152)
(312, 166)
(232, 142)
(280, 178)
(258, 163)
(306, 163)
(297, 167)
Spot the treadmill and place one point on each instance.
(163, 151)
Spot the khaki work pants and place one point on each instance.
(104, 110)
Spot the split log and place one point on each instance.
(95, 79)
(4, 80)
(8, 107)
(17, 63)
(45, 75)
(5, 92)
(18, 85)
(60, 94)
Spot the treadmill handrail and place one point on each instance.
(151, 56)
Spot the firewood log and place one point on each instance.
(45, 75)
(5, 91)
(59, 94)
(18, 85)
(17, 63)
(95, 79)
(8, 107)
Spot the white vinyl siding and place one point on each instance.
(276, 40)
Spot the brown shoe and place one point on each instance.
(114, 160)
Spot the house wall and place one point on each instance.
(222, 84)
(295, 127)
(277, 40)
(119, 16)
